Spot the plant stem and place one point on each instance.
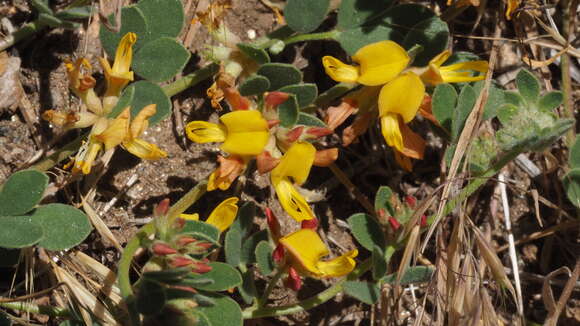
(565, 74)
(309, 303)
(186, 201)
(60, 155)
(330, 35)
(37, 309)
(264, 299)
(21, 34)
(190, 80)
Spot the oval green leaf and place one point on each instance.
(264, 258)
(132, 20)
(224, 277)
(225, 311)
(432, 34)
(200, 227)
(528, 86)
(304, 16)
(288, 112)
(19, 232)
(254, 52)
(305, 93)
(309, 120)
(254, 85)
(64, 226)
(363, 291)
(280, 74)
(160, 60)
(21, 192)
(354, 13)
(163, 17)
(367, 231)
(148, 93)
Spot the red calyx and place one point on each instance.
(162, 249)
(293, 281)
(394, 223)
(309, 224)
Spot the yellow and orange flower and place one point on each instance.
(221, 217)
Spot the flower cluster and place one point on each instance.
(106, 132)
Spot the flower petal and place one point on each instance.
(403, 95)
(413, 144)
(140, 123)
(116, 131)
(338, 266)
(296, 162)
(224, 214)
(340, 71)
(247, 132)
(143, 149)
(291, 200)
(306, 249)
(205, 132)
(380, 62)
(391, 132)
(190, 217)
(124, 54)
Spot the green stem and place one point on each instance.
(37, 309)
(60, 155)
(309, 303)
(330, 35)
(190, 80)
(186, 201)
(21, 34)
(264, 299)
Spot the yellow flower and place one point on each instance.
(512, 5)
(119, 75)
(221, 217)
(455, 73)
(136, 146)
(243, 133)
(294, 167)
(307, 250)
(378, 62)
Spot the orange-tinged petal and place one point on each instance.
(380, 62)
(306, 248)
(403, 161)
(140, 123)
(296, 162)
(143, 149)
(402, 96)
(291, 200)
(413, 144)
(224, 214)
(205, 132)
(338, 266)
(246, 132)
(391, 132)
(340, 71)
(512, 5)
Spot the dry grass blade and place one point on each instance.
(554, 309)
(408, 254)
(100, 225)
(107, 286)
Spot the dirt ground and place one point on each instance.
(128, 191)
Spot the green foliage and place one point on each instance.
(367, 231)
(21, 192)
(248, 288)
(305, 93)
(465, 103)
(254, 52)
(379, 263)
(151, 61)
(432, 34)
(248, 255)
(355, 13)
(245, 219)
(264, 258)
(495, 99)
(528, 86)
(305, 15)
(63, 226)
(225, 311)
(233, 247)
(571, 182)
(142, 93)
(223, 276)
(443, 105)
(163, 17)
(309, 120)
(288, 112)
(254, 85)
(383, 200)
(132, 20)
(151, 298)
(417, 274)
(19, 232)
(363, 291)
(280, 74)
(550, 101)
(209, 231)
(575, 154)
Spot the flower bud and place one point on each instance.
(294, 134)
(273, 224)
(273, 99)
(180, 261)
(200, 268)
(411, 201)
(309, 224)
(162, 249)
(293, 281)
(278, 254)
(162, 208)
(394, 223)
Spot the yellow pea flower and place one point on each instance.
(294, 167)
(119, 75)
(455, 73)
(221, 217)
(243, 133)
(136, 146)
(307, 250)
(379, 63)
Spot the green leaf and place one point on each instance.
(506, 112)
(495, 99)
(305, 93)
(354, 13)
(571, 182)
(254, 85)
(224, 277)
(64, 226)
(264, 258)
(443, 105)
(49, 20)
(203, 228)
(75, 13)
(148, 93)
(575, 154)
(379, 263)
(367, 231)
(550, 101)
(254, 52)
(528, 86)
(248, 288)
(465, 103)
(432, 34)
(124, 101)
(513, 98)
(233, 247)
(42, 6)
(417, 274)
(132, 20)
(9, 257)
(406, 16)
(383, 200)
(160, 60)
(280, 74)
(245, 218)
(288, 112)
(22, 191)
(150, 297)
(363, 291)
(304, 16)
(248, 255)
(19, 232)
(167, 275)
(225, 311)
(353, 39)
(309, 120)
(163, 17)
